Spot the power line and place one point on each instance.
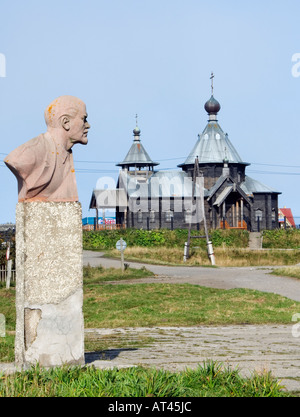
(273, 172)
(89, 170)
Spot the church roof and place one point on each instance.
(165, 184)
(250, 186)
(137, 154)
(213, 145)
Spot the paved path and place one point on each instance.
(262, 347)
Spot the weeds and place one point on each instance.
(292, 271)
(225, 257)
(209, 379)
(97, 275)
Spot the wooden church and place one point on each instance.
(149, 198)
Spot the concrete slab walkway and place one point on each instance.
(248, 347)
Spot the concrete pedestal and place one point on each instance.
(49, 291)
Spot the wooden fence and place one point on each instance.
(104, 227)
(3, 274)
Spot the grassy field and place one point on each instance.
(181, 305)
(107, 305)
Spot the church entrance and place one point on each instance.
(232, 213)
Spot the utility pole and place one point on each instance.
(210, 252)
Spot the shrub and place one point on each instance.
(106, 239)
(281, 238)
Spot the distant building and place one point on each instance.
(232, 199)
(286, 218)
(7, 233)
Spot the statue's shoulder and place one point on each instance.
(31, 152)
(40, 141)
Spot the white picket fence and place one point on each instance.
(3, 274)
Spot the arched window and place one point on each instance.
(273, 215)
(258, 215)
(187, 216)
(168, 215)
(140, 216)
(152, 216)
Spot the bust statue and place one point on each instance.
(44, 165)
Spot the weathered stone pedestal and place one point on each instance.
(49, 292)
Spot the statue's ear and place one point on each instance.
(65, 122)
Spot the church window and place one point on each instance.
(168, 215)
(140, 216)
(187, 216)
(273, 215)
(258, 214)
(152, 216)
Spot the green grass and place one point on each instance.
(141, 305)
(97, 275)
(211, 379)
(181, 305)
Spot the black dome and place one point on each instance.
(212, 106)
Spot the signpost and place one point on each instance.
(121, 246)
(9, 265)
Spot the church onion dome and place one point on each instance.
(136, 131)
(212, 106)
(213, 145)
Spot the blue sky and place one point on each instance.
(154, 58)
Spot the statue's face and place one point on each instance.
(79, 126)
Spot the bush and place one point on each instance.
(281, 239)
(107, 239)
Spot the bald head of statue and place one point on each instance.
(66, 119)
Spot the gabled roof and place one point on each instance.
(230, 184)
(287, 213)
(223, 195)
(216, 186)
